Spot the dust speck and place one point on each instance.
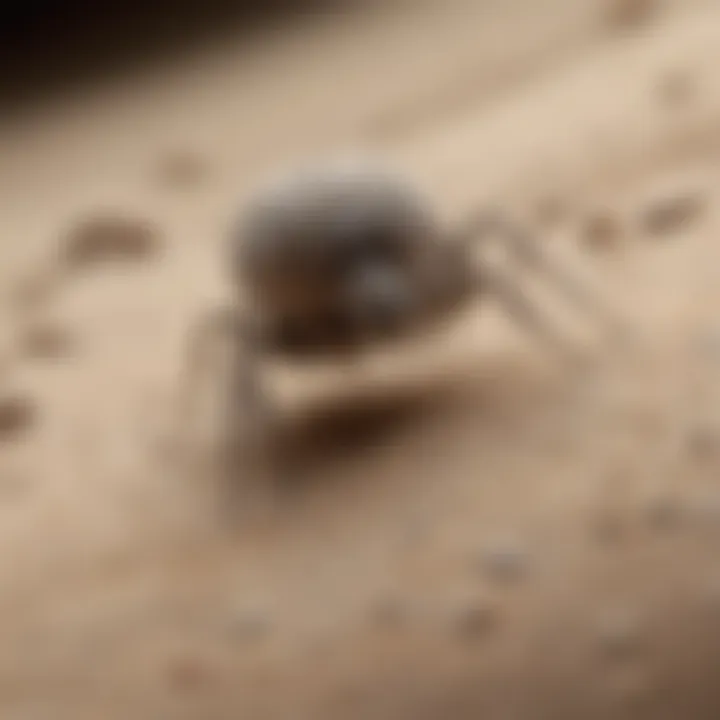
(45, 339)
(670, 214)
(389, 612)
(503, 561)
(664, 512)
(550, 210)
(620, 635)
(109, 239)
(187, 673)
(702, 444)
(630, 14)
(182, 169)
(676, 88)
(17, 415)
(601, 231)
(249, 625)
(474, 618)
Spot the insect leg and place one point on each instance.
(224, 403)
(521, 308)
(526, 251)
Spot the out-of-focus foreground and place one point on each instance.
(482, 533)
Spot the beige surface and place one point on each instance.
(369, 595)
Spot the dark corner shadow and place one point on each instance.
(47, 46)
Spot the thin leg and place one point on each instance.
(239, 416)
(204, 342)
(528, 252)
(522, 310)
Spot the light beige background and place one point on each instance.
(373, 593)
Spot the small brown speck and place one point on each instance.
(630, 13)
(389, 612)
(249, 625)
(670, 214)
(503, 561)
(187, 673)
(550, 210)
(46, 340)
(182, 169)
(676, 88)
(475, 618)
(703, 444)
(17, 414)
(109, 238)
(609, 527)
(664, 512)
(620, 635)
(602, 232)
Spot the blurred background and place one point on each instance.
(481, 533)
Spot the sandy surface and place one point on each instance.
(486, 533)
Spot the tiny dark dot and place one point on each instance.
(620, 635)
(46, 340)
(550, 210)
(182, 169)
(389, 612)
(676, 88)
(504, 562)
(703, 443)
(630, 13)
(249, 625)
(17, 414)
(475, 618)
(670, 214)
(601, 232)
(610, 528)
(664, 512)
(187, 673)
(34, 291)
(109, 239)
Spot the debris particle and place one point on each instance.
(703, 443)
(630, 14)
(610, 527)
(620, 635)
(550, 210)
(389, 612)
(676, 88)
(46, 339)
(504, 561)
(602, 231)
(249, 625)
(17, 414)
(670, 214)
(182, 169)
(664, 512)
(109, 238)
(475, 617)
(187, 673)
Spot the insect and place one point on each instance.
(336, 259)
